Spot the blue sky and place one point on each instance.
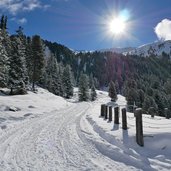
(82, 24)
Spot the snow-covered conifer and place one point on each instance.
(83, 88)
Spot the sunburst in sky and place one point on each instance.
(91, 24)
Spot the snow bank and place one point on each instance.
(19, 107)
(120, 145)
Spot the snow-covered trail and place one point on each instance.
(52, 141)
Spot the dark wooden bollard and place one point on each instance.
(124, 119)
(110, 113)
(167, 113)
(139, 127)
(116, 114)
(102, 110)
(106, 111)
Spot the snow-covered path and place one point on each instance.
(51, 141)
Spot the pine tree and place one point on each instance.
(93, 92)
(117, 87)
(29, 58)
(91, 80)
(22, 44)
(3, 64)
(2, 23)
(59, 78)
(67, 82)
(5, 36)
(83, 88)
(112, 91)
(38, 61)
(167, 86)
(16, 68)
(149, 102)
(52, 79)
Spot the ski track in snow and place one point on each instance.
(52, 141)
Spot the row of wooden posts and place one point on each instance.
(106, 113)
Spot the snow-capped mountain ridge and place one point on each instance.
(155, 49)
(118, 49)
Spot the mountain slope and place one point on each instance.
(152, 49)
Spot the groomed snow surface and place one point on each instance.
(44, 132)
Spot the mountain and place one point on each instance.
(152, 49)
(119, 50)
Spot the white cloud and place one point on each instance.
(163, 29)
(22, 21)
(15, 6)
(19, 21)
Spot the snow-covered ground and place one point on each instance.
(48, 133)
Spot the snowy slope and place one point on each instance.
(118, 50)
(120, 145)
(49, 133)
(156, 48)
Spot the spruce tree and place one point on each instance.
(29, 58)
(91, 80)
(149, 102)
(52, 79)
(112, 91)
(16, 68)
(59, 80)
(38, 61)
(83, 92)
(3, 64)
(67, 82)
(93, 92)
(22, 44)
(117, 87)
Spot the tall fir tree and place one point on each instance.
(38, 61)
(3, 64)
(148, 103)
(93, 92)
(112, 91)
(67, 82)
(22, 44)
(83, 92)
(52, 79)
(29, 58)
(16, 68)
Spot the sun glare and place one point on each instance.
(117, 26)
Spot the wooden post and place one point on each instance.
(102, 110)
(124, 119)
(151, 111)
(139, 127)
(116, 109)
(167, 113)
(106, 111)
(110, 113)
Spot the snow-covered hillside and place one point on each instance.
(119, 50)
(45, 132)
(155, 49)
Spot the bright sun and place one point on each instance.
(117, 26)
